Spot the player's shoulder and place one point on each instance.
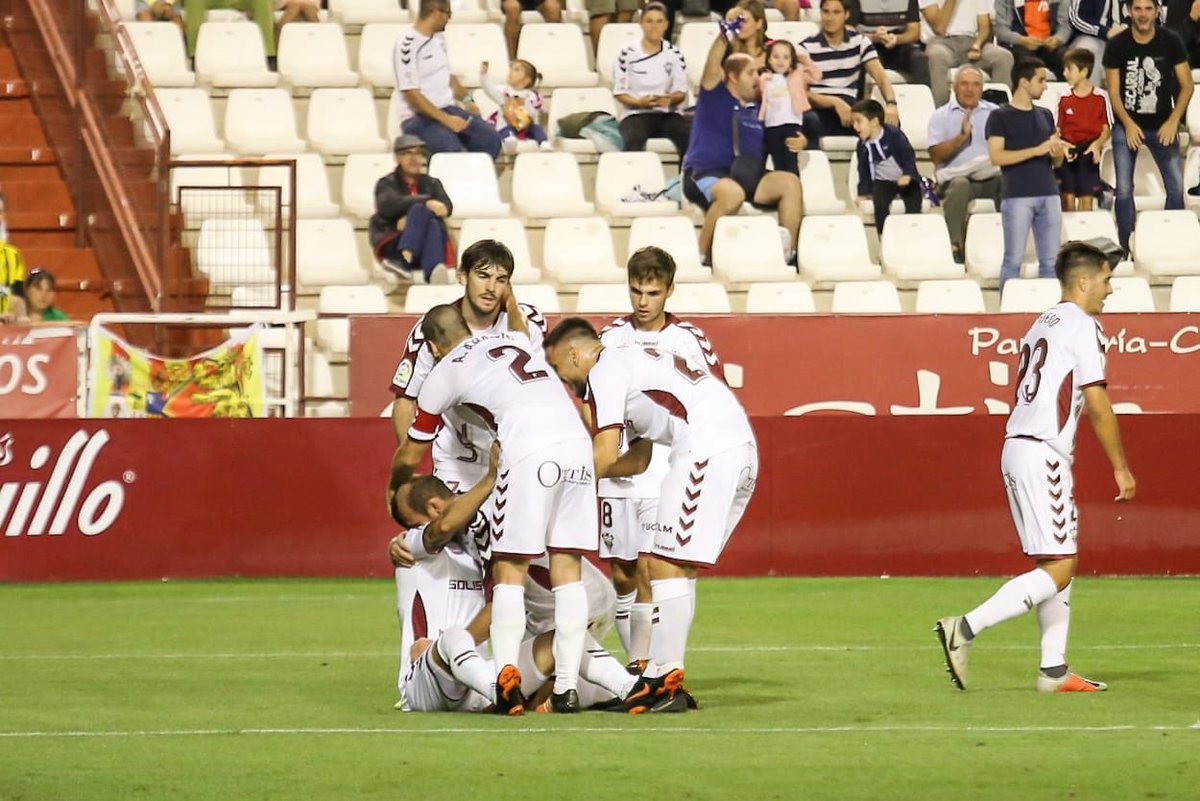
(616, 329)
(692, 330)
(534, 315)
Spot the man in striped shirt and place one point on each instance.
(843, 55)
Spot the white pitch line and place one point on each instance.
(12, 735)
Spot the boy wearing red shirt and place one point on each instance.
(1085, 121)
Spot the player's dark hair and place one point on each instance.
(652, 264)
(444, 324)
(869, 109)
(487, 253)
(1026, 70)
(1080, 58)
(570, 330)
(1078, 256)
(427, 7)
(421, 490)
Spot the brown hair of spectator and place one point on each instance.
(756, 9)
(791, 49)
(1081, 59)
(869, 109)
(532, 76)
(845, 4)
(428, 7)
(651, 264)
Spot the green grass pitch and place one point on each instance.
(811, 688)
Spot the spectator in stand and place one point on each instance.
(650, 84)
(12, 271)
(1150, 86)
(551, 11)
(38, 305)
(887, 165)
(158, 11)
(408, 229)
(428, 92)
(959, 151)
(960, 32)
(783, 90)
(843, 55)
(1093, 23)
(518, 105)
(601, 12)
(1034, 29)
(261, 11)
(750, 34)
(894, 27)
(1085, 123)
(306, 10)
(790, 9)
(1183, 17)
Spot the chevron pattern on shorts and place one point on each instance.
(498, 512)
(1058, 506)
(691, 502)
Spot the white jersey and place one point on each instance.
(639, 74)
(778, 100)
(422, 63)
(460, 451)
(665, 398)
(507, 385)
(1062, 355)
(539, 598)
(682, 339)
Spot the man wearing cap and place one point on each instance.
(408, 229)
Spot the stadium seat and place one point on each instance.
(1191, 170)
(985, 248)
(915, 105)
(1166, 242)
(614, 37)
(259, 121)
(675, 235)
(953, 296)
(816, 176)
(1030, 295)
(543, 297)
(618, 174)
(1050, 97)
(1192, 118)
(579, 250)
(548, 185)
(360, 173)
(343, 121)
(190, 118)
(570, 101)
(1185, 294)
(420, 298)
(834, 248)
(364, 12)
(1082, 225)
(234, 252)
(866, 297)
(509, 231)
(602, 299)
(474, 11)
(1149, 193)
(312, 185)
(334, 334)
(793, 31)
(748, 249)
(706, 298)
(376, 51)
(695, 39)
(327, 254)
(231, 54)
(313, 55)
(916, 247)
(161, 50)
(560, 53)
(196, 190)
(1130, 294)
(470, 44)
(470, 181)
(791, 297)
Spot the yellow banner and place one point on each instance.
(226, 381)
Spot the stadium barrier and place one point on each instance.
(849, 495)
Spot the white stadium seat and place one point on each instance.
(543, 297)
(343, 121)
(161, 50)
(470, 181)
(1130, 294)
(259, 121)
(695, 40)
(985, 248)
(560, 53)
(1149, 193)
(614, 37)
(866, 297)
(511, 233)
(190, 118)
(470, 44)
(475, 11)
(916, 247)
(198, 203)
(675, 235)
(1050, 96)
(420, 298)
(1097, 224)
(602, 299)
(792, 31)
(953, 296)
(312, 185)
(580, 251)
(570, 101)
(1185, 294)
(1191, 169)
(234, 252)
(707, 298)
(1167, 242)
(334, 334)
(230, 54)
(1030, 295)
(314, 54)
(327, 253)
(362, 12)
(791, 297)
(376, 50)
(360, 173)
(618, 174)
(915, 105)
(816, 176)
(548, 185)
(834, 248)
(749, 249)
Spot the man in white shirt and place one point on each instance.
(959, 32)
(1061, 371)
(429, 93)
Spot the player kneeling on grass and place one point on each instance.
(1061, 371)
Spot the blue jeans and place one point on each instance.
(479, 136)
(1020, 214)
(1169, 164)
(424, 236)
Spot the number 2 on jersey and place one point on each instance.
(1029, 372)
(520, 360)
(681, 365)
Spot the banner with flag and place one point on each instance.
(226, 381)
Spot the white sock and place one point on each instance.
(570, 629)
(1054, 620)
(457, 648)
(674, 604)
(599, 667)
(641, 621)
(508, 623)
(1015, 598)
(623, 621)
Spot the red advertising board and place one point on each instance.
(39, 372)
(901, 365)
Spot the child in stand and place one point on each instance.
(519, 104)
(1085, 121)
(887, 165)
(784, 89)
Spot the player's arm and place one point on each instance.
(1104, 423)
(404, 464)
(404, 411)
(462, 509)
(611, 463)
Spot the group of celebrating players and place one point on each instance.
(652, 471)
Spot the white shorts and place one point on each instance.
(627, 527)
(701, 504)
(539, 599)
(546, 500)
(1041, 495)
(428, 687)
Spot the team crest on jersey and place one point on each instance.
(403, 374)
(607, 538)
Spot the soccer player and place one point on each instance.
(488, 305)
(628, 506)
(1061, 371)
(712, 471)
(545, 495)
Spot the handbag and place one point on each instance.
(746, 170)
